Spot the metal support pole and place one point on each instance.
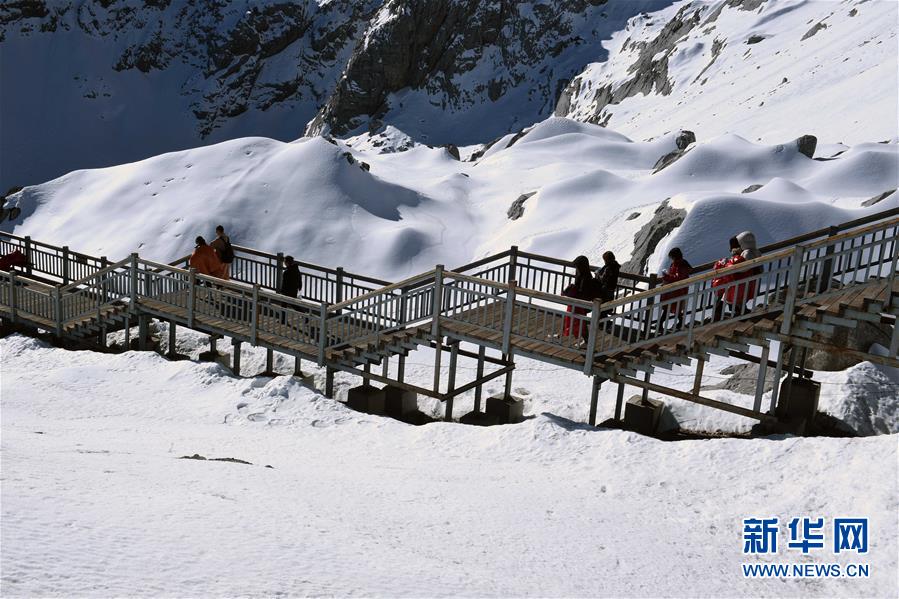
(480, 373)
(594, 399)
(697, 380)
(760, 382)
(235, 361)
(451, 382)
(329, 382)
(619, 401)
(173, 329)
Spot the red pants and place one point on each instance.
(571, 327)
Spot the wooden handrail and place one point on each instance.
(558, 299)
(86, 280)
(404, 283)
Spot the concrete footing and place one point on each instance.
(505, 409)
(366, 398)
(799, 398)
(642, 417)
(398, 402)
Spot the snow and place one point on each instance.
(95, 501)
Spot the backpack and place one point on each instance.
(228, 252)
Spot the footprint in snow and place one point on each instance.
(258, 417)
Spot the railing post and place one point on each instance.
(650, 302)
(134, 282)
(279, 271)
(12, 294)
(513, 263)
(101, 283)
(438, 301)
(792, 286)
(57, 301)
(895, 263)
(191, 296)
(322, 332)
(99, 296)
(827, 265)
(65, 265)
(338, 292)
(28, 254)
(254, 316)
(591, 338)
(507, 317)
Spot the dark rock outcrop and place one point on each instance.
(751, 188)
(878, 198)
(807, 144)
(815, 29)
(663, 222)
(861, 338)
(516, 210)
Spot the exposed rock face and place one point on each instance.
(684, 139)
(663, 222)
(649, 72)
(815, 29)
(807, 145)
(878, 198)
(516, 210)
(751, 188)
(860, 338)
(743, 379)
(432, 46)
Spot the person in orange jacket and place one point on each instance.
(205, 260)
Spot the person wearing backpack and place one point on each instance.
(222, 246)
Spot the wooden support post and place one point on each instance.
(366, 370)
(254, 316)
(385, 366)
(827, 265)
(338, 291)
(788, 386)
(173, 332)
(507, 317)
(650, 302)
(697, 380)
(894, 340)
(127, 331)
(792, 289)
(645, 397)
(594, 399)
(279, 270)
(297, 366)
(507, 392)
(619, 402)
(322, 332)
(269, 362)
(192, 296)
(760, 382)
(235, 360)
(591, 337)
(451, 381)
(401, 368)
(438, 353)
(513, 264)
(778, 369)
(133, 272)
(480, 373)
(143, 331)
(65, 265)
(13, 283)
(329, 382)
(28, 254)
(57, 308)
(212, 345)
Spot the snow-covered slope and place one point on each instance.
(765, 69)
(95, 501)
(420, 207)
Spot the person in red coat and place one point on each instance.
(724, 293)
(679, 270)
(205, 260)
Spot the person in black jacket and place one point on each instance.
(290, 278)
(607, 277)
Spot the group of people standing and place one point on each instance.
(215, 259)
(730, 293)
